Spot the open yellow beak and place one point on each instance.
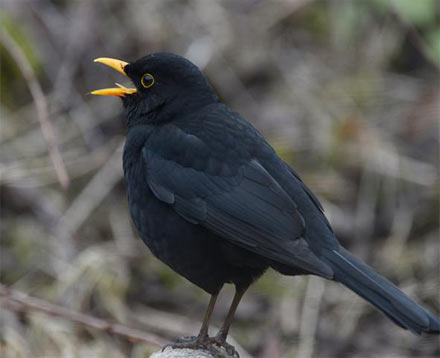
(120, 91)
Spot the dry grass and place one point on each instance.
(346, 91)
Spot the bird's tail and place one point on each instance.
(376, 289)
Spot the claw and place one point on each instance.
(209, 344)
(221, 342)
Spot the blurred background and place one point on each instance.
(346, 91)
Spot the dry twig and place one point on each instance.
(21, 302)
(40, 105)
(309, 318)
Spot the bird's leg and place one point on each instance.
(202, 340)
(203, 334)
(220, 338)
(223, 332)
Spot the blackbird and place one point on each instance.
(211, 198)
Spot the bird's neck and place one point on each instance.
(165, 112)
(186, 103)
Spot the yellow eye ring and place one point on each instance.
(147, 80)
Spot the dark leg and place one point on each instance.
(223, 332)
(220, 338)
(202, 340)
(205, 325)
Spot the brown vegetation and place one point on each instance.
(347, 92)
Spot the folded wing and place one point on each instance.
(248, 208)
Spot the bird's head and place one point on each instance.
(164, 83)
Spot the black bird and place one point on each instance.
(212, 200)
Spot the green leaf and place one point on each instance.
(418, 12)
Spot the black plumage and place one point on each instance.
(211, 198)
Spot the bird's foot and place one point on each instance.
(190, 342)
(209, 344)
(187, 342)
(221, 342)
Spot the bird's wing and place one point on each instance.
(246, 206)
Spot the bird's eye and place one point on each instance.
(147, 80)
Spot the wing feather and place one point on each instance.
(250, 208)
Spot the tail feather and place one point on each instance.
(376, 289)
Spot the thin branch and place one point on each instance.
(40, 105)
(21, 302)
(85, 202)
(309, 317)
